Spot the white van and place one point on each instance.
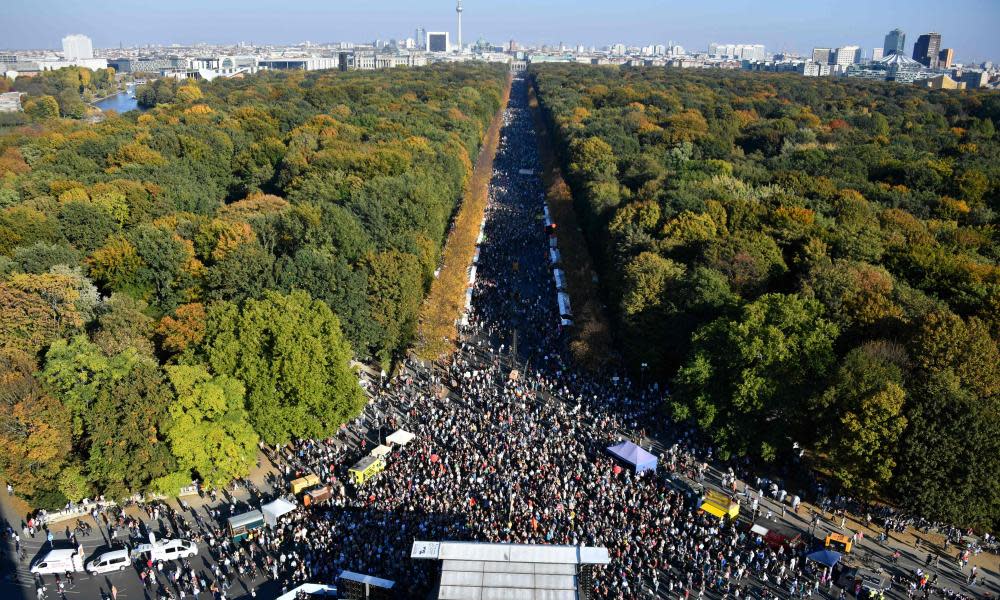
(60, 560)
(115, 560)
(166, 550)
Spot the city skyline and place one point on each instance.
(967, 27)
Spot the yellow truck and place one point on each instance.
(366, 468)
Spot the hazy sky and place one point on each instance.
(968, 26)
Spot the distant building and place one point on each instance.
(895, 67)
(846, 56)
(77, 47)
(926, 50)
(877, 53)
(974, 79)
(822, 55)
(945, 58)
(421, 37)
(10, 102)
(8, 59)
(299, 63)
(437, 41)
(812, 69)
(751, 52)
(895, 42)
(941, 82)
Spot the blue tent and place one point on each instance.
(634, 455)
(825, 557)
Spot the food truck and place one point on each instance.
(304, 483)
(240, 526)
(317, 494)
(366, 468)
(719, 505)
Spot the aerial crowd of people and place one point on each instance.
(510, 446)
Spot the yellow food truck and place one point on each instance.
(366, 468)
(719, 505)
(304, 483)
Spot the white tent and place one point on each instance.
(401, 437)
(560, 278)
(273, 510)
(564, 307)
(380, 450)
(554, 256)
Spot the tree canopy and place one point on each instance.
(802, 260)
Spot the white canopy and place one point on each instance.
(560, 278)
(401, 437)
(381, 450)
(274, 510)
(564, 307)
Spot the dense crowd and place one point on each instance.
(509, 447)
(510, 444)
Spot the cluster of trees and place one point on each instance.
(61, 92)
(806, 261)
(180, 284)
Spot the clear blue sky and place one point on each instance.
(968, 26)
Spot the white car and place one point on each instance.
(115, 560)
(166, 550)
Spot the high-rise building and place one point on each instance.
(421, 37)
(437, 41)
(822, 55)
(895, 42)
(925, 51)
(846, 56)
(77, 46)
(877, 53)
(945, 58)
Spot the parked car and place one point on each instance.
(114, 560)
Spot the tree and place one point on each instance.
(948, 466)
(290, 354)
(209, 432)
(395, 287)
(42, 108)
(163, 273)
(184, 329)
(746, 378)
(37, 309)
(862, 418)
(123, 323)
(125, 428)
(34, 427)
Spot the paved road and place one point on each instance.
(18, 582)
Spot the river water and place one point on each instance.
(119, 102)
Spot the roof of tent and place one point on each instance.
(632, 454)
(273, 510)
(825, 557)
(401, 437)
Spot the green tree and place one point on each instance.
(42, 108)
(747, 379)
(209, 432)
(862, 418)
(289, 352)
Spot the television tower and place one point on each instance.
(458, 9)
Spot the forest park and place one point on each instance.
(181, 283)
(810, 265)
